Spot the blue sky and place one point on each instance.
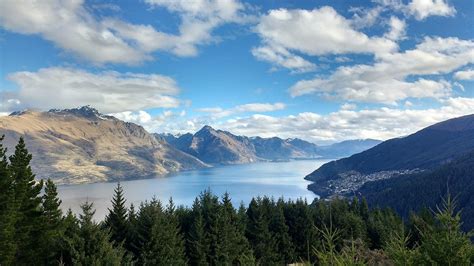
(319, 70)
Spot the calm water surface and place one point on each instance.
(277, 179)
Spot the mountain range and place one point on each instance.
(221, 147)
(82, 146)
(422, 151)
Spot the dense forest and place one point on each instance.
(403, 193)
(34, 231)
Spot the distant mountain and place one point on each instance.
(404, 195)
(426, 149)
(221, 147)
(81, 145)
(215, 146)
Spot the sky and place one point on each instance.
(320, 70)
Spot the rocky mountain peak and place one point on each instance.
(205, 130)
(22, 112)
(84, 111)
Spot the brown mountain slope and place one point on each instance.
(83, 146)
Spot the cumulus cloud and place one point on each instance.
(386, 81)
(422, 9)
(467, 74)
(283, 58)
(108, 91)
(317, 32)
(382, 123)
(364, 17)
(346, 123)
(397, 29)
(217, 112)
(70, 26)
(150, 123)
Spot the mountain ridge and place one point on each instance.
(425, 149)
(81, 145)
(212, 145)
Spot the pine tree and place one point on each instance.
(446, 243)
(132, 233)
(93, 245)
(7, 211)
(259, 235)
(148, 214)
(52, 223)
(69, 238)
(399, 252)
(116, 220)
(196, 243)
(301, 228)
(279, 229)
(166, 246)
(232, 245)
(28, 204)
(210, 213)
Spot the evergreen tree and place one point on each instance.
(69, 238)
(399, 252)
(196, 245)
(381, 225)
(7, 211)
(279, 229)
(52, 224)
(301, 228)
(28, 206)
(116, 219)
(232, 246)
(446, 243)
(148, 214)
(166, 245)
(210, 212)
(259, 235)
(132, 232)
(364, 209)
(93, 246)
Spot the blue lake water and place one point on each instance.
(276, 179)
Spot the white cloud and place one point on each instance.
(422, 9)
(467, 74)
(316, 32)
(397, 29)
(70, 26)
(364, 17)
(8, 104)
(59, 87)
(347, 123)
(227, 10)
(140, 117)
(382, 123)
(199, 18)
(386, 81)
(282, 57)
(217, 112)
(348, 106)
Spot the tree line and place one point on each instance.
(34, 230)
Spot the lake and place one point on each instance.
(276, 179)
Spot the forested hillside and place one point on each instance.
(414, 192)
(34, 231)
(424, 150)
